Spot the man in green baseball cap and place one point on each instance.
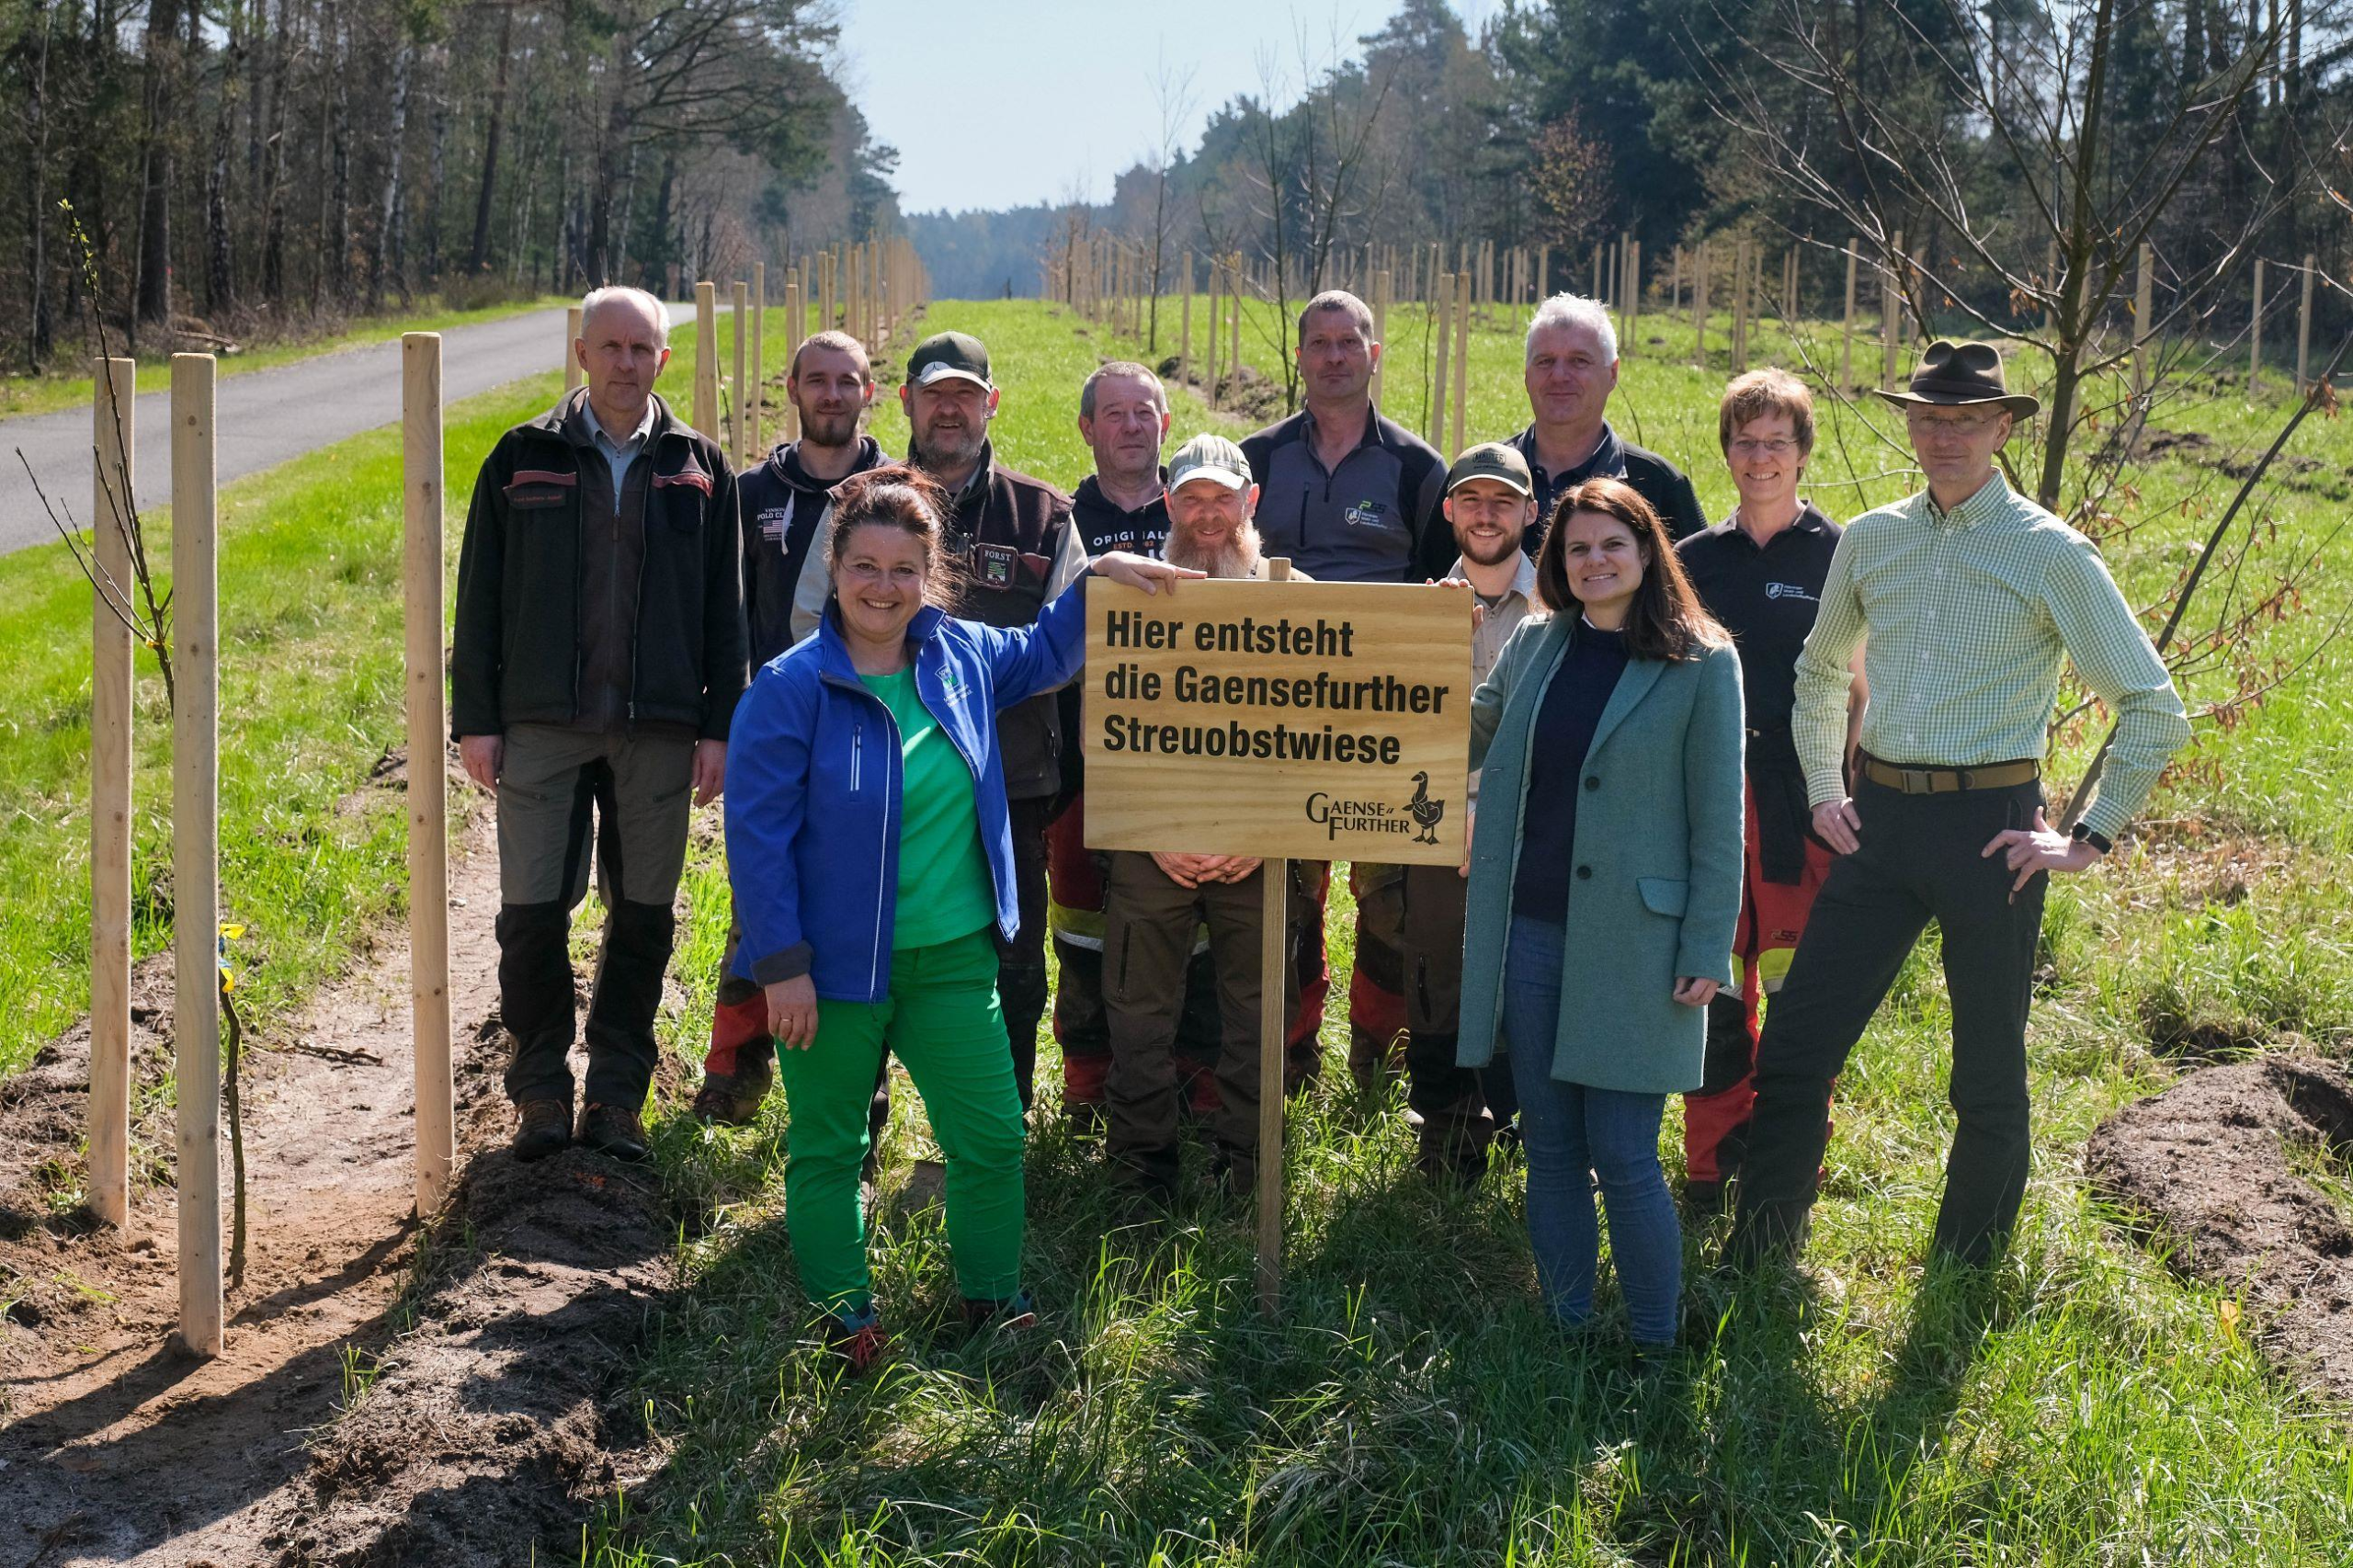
(1490, 505)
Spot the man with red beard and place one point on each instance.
(1155, 901)
(1123, 504)
(782, 502)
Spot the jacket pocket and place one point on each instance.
(1664, 895)
(533, 489)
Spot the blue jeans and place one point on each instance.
(1573, 1134)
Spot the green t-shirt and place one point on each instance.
(944, 886)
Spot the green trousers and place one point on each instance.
(942, 1020)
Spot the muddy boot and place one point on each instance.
(733, 1099)
(1370, 1059)
(1233, 1173)
(614, 1131)
(542, 1128)
(1147, 1177)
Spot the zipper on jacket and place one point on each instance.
(646, 549)
(856, 755)
(882, 866)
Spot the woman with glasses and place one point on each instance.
(870, 854)
(1760, 573)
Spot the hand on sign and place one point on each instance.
(792, 1012)
(1695, 993)
(1141, 572)
(1478, 611)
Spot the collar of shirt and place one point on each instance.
(979, 481)
(1810, 520)
(604, 437)
(1523, 581)
(1991, 500)
(1607, 460)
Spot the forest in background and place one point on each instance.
(240, 168)
(1567, 123)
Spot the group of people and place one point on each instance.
(1708, 764)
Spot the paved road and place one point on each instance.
(267, 416)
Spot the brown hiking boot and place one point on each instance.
(613, 1130)
(733, 1099)
(858, 1341)
(542, 1128)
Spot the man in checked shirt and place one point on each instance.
(1966, 598)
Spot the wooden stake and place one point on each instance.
(760, 358)
(737, 406)
(428, 805)
(707, 360)
(1633, 289)
(1233, 362)
(2255, 330)
(112, 427)
(1846, 332)
(795, 320)
(1443, 323)
(1740, 297)
(1461, 364)
(1699, 307)
(1379, 279)
(2304, 332)
(1891, 310)
(1543, 271)
(1274, 956)
(1185, 324)
(196, 869)
(572, 351)
(2144, 326)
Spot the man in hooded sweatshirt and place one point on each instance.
(783, 500)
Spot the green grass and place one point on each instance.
(1410, 1406)
(70, 388)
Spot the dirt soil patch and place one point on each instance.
(2210, 1166)
(373, 1406)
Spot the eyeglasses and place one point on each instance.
(1749, 448)
(1973, 424)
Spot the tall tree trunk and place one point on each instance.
(480, 255)
(219, 258)
(436, 167)
(665, 249)
(154, 305)
(37, 328)
(273, 241)
(388, 215)
(338, 64)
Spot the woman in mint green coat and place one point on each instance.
(1605, 886)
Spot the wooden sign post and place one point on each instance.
(1286, 720)
(428, 804)
(111, 429)
(740, 298)
(195, 836)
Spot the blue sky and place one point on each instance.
(1002, 103)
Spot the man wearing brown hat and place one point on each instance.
(1966, 598)
(1491, 505)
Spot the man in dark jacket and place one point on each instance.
(1012, 535)
(1123, 504)
(1572, 368)
(1349, 497)
(783, 500)
(598, 655)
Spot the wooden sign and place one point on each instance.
(1303, 721)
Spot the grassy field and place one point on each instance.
(1411, 1405)
(68, 385)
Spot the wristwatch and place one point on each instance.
(2098, 841)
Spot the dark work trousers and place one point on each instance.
(1021, 966)
(1922, 857)
(559, 790)
(1147, 951)
(1460, 1107)
(1082, 1026)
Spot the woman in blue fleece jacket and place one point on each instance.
(871, 861)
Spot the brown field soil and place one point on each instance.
(384, 1397)
(2208, 1169)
